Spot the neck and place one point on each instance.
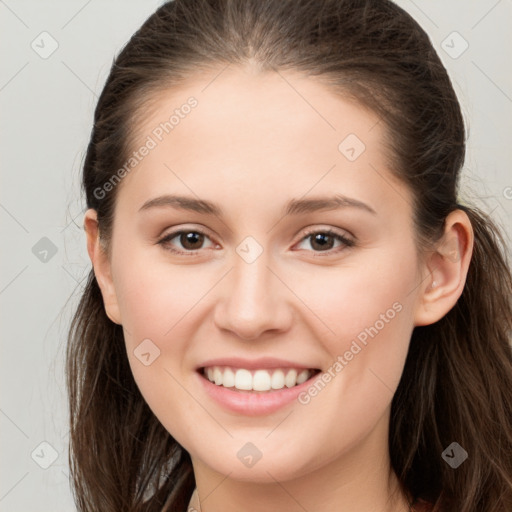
(359, 480)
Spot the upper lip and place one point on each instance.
(253, 364)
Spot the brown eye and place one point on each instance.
(189, 239)
(324, 241)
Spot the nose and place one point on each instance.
(254, 299)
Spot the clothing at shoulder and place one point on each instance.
(195, 506)
(422, 506)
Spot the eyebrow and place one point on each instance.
(293, 207)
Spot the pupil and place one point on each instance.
(191, 238)
(318, 239)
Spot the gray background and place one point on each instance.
(46, 117)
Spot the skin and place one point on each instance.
(253, 143)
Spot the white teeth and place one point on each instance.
(303, 376)
(261, 381)
(243, 380)
(217, 376)
(291, 378)
(256, 380)
(228, 379)
(278, 380)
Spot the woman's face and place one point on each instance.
(259, 288)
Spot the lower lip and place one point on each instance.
(257, 403)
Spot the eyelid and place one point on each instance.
(165, 239)
(316, 228)
(347, 242)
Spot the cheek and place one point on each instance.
(368, 315)
(154, 297)
(373, 292)
(157, 304)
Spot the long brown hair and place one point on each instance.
(457, 381)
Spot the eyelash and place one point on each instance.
(345, 241)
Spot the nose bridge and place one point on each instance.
(251, 280)
(254, 300)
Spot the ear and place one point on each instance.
(101, 265)
(445, 268)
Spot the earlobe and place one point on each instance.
(446, 269)
(101, 265)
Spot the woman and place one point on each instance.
(289, 307)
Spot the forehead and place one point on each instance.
(241, 105)
(240, 132)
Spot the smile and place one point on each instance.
(255, 391)
(262, 380)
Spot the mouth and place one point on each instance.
(255, 381)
